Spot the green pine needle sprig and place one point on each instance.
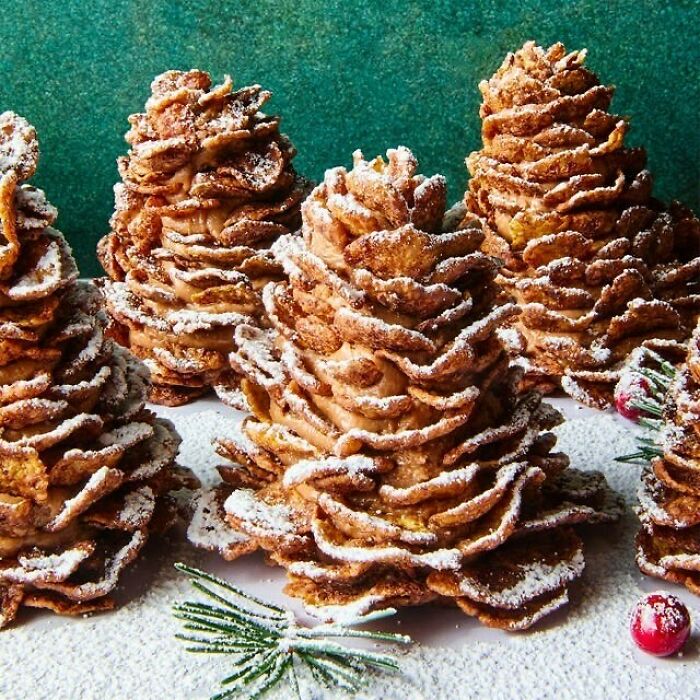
(267, 645)
(651, 407)
(647, 450)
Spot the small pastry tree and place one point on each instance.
(392, 458)
(598, 266)
(668, 545)
(85, 468)
(207, 185)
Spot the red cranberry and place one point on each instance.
(660, 624)
(631, 387)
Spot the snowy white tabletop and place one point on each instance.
(584, 651)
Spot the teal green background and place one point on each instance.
(344, 75)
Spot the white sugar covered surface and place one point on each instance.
(584, 651)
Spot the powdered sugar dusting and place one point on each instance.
(307, 469)
(438, 559)
(345, 613)
(47, 567)
(207, 529)
(246, 506)
(138, 508)
(44, 276)
(189, 321)
(536, 579)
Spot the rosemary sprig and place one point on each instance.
(651, 407)
(267, 644)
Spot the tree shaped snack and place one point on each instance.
(85, 469)
(598, 266)
(668, 545)
(207, 185)
(392, 458)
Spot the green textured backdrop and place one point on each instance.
(349, 75)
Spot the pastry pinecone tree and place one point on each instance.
(207, 185)
(598, 266)
(85, 469)
(391, 458)
(668, 545)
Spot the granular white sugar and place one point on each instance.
(582, 652)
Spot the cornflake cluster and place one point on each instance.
(85, 469)
(207, 185)
(597, 264)
(392, 458)
(668, 545)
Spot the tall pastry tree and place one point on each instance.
(598, 266)
(207, 184)
(85, 469)
(391, 458)
(668, 545)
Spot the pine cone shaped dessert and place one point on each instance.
(598, 266)
(668, 545)
(207, 185)
(391, 458)
(85, 470)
